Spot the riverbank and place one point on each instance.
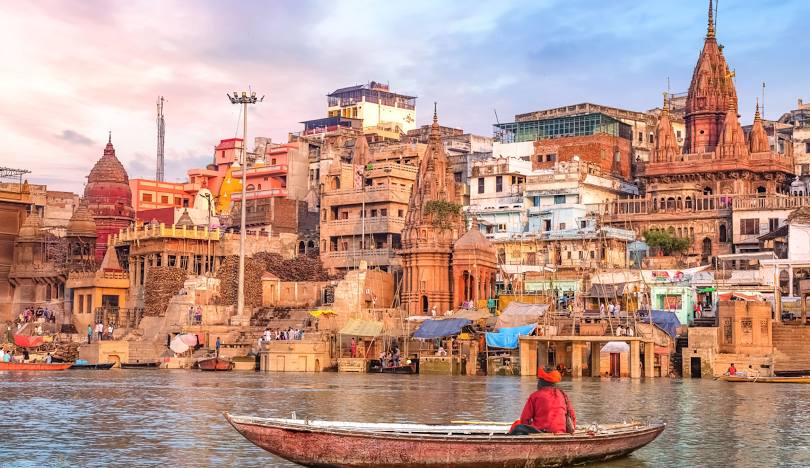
(149, 418)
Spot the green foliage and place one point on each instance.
(443, 213)
(668, 243)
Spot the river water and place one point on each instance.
(174, 418)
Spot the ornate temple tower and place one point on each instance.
(108, 198)
(432, 225)
(758, 139)
(711, 94)
(666, 146)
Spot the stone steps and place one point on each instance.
(792, 343)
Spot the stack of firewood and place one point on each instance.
(161, 284)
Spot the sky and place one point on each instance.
(72, 71)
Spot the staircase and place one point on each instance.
(676, 361)
(791, 348)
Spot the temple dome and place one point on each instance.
(81, 224)
(32, 227)
(108, 185)
(108, 168)
(474, 240)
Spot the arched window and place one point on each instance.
(670, 203)
(250, 187)
(688, 203)
(679, 204)
(680, 232)
(761, 191)
(707, 191)
(723, 233)
(301, 248)
(336, 183)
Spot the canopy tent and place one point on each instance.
(473, 314)
(519, 313)
(615, 347)
(357, 327)
(508, 337)
(319, 312)
(665, 320)
(606, 291)
(178, 345)
(440, 328)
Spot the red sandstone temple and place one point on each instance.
(108, 197)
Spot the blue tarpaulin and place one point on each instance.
(508, 337)
(440, 328)
(665, 320)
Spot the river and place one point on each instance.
(157, 417)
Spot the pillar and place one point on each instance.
(542, 356)
(576, 359)
(596, 362)
(635, 359)
(790, 280)
(649, 359)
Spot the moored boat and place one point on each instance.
(215, 364)
(140, 365)
(100, 366)
(34, 366)
(348, 444)
(737, 378)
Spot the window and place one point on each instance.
(806, 167)
(773, 224)
(184, 262)
(640, 137)
(344, 215)
(373, 213)
(551, 157)
(250, 187)
(178, 201)
(164, 199)
(531, 258)
(457, 176)
(559, 199)
(81, 303)
(401, 213)
(147, 197)
(749, 227)
(583, 224)
(807, 146)
(273, 162)
(480, 185)
(652, 138)
(536, 200)
(568, 254)
(502, 228)
(562, 226)
(546, 225)
(678, 134)
(499, 184)
(172, 260)
(383, 211)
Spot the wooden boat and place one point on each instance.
(215, 364)
(795, 380)
(100, 366)
(33, 366)
(347, 444)
(401, 369)
(140, 365)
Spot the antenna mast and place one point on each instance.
(161, 137)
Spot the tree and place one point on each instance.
(666, 242)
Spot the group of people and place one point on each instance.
(282, 335)
(390, 358)
(100, 332)
(38, 315)
(10, 356)
(625, 331)
(195, 315)
(612, 309)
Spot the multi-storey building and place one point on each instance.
(364, 203)
(385, 114)
(798, 123)
(496, 195)
(690, 192)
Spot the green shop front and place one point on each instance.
(674, 298)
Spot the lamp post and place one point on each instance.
(244, 99)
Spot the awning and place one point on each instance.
(740, 295)
(615, 347)
(665, 320)
(518, 313)
(440, 328)
(607, 291)
(508, 337)
(357, 327)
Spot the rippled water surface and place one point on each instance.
(174, 418)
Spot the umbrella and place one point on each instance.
(615, 347)
(25, 341)
(177, 345)
(189, 339)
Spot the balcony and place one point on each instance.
(149, 231)
(354, 226)
(259, 194)
(772, 202)
(620, 210)
(263, 170)
(391, 169)
(374, 194)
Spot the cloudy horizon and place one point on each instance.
(75, 70)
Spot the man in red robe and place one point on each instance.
(547, 409)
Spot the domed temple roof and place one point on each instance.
(473, 239)
(81, 224)
(108, 168)
(32, 227)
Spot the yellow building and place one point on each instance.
(99, 295)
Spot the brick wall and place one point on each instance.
(597, 149)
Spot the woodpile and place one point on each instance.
(303, 268)
(161, 284)
(228, 275)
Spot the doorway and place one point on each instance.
(424, 305)
(615, 365)
(694, 366)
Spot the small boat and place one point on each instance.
(215, 364)
(737, 378)
(382, 445)
(33, 366)
(140, 365)
(100, 366)
(412, 368)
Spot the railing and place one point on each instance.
(119, 317)
(256, 194)
(667, 205)
(151, 231)
(753, 202)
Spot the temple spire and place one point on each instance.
(710, 31)
(109, 138)
(756, 112)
